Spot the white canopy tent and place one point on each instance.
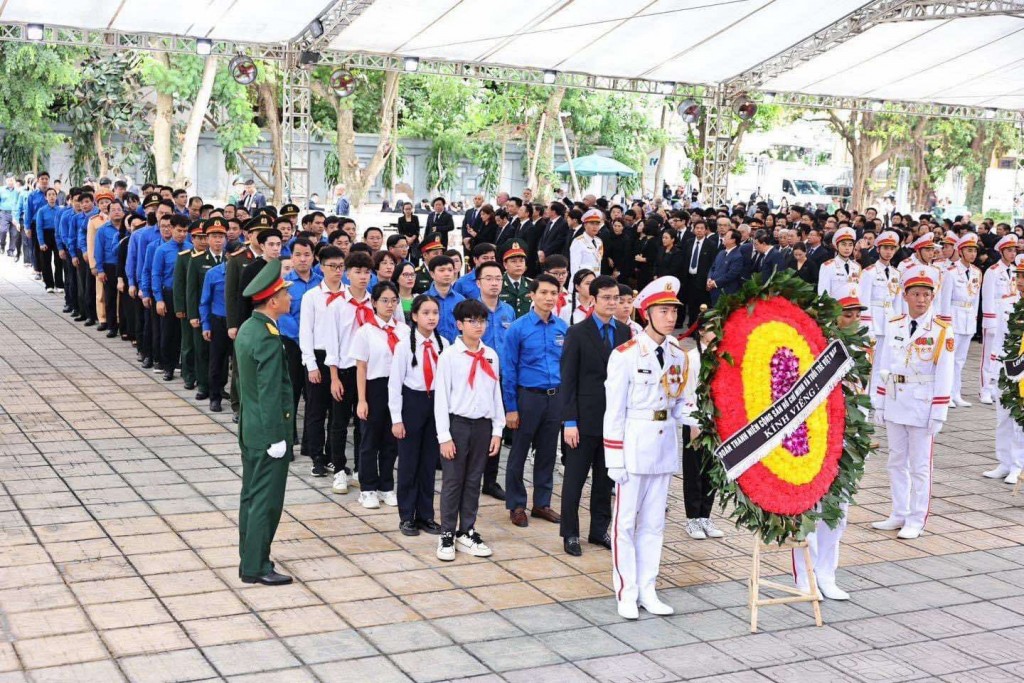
(938, 57)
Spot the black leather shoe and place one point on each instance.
(270, 579)
(189, 386)
(111, 334)
(605, 541)
(234, 418)
(147, 363)
(494, 491)
(90, 322)
(202, 395)
(409, 528)
(215, 405)
(430, 526)
(572, 546)
(102, 327)
(66, 309)
(168, 375)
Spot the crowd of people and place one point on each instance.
(547, 329)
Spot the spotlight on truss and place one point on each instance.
(550, 77)
(243, 70)
(689, 110)
(343, 82)
(666, 88)
(316, 28)
(34, 32)
(411, 64)
(744, 107)
(204, 46)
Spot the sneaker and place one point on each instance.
(369, 500)
(49, 290)
(470, 542)
(389, 498)
(446, 547)
(710, 530)
(330, 467)
(318, 469)
(695, 529)
(340, 484)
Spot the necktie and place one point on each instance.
(660, 353)
(608, 336)
(696, 253)
(913, 327)
(364, 313)
(515, 288)
(887, 272)
(481, 362)
(429, 359)
(331, 296)
(847, 266)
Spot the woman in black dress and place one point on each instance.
(409, 225)
(645, 253)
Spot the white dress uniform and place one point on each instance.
(585, 252)
(879, 290)
(646, 401)
(1009, 436)
(961, 292)
(910, 387)
(840, 277)
(997, 284)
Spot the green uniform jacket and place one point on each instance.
(232, 284)
(520, 302)
(181, 277)
(197, 267)
(423, 279)
(265, 391)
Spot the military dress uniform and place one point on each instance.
(996, 285)
(586, 251)
(879, 291)
(648, 395)
(430, 248)
(265, 423)
(911, 383)
(180, 297)
(840, 277)
(236, 262)
(1009, 436)
(516, 294)
(198, 267)
(958, 305)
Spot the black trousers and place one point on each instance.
(319, 410)
(45, 259)
(201, 353)
(418, 455)
(70, 284)
(142, 327)
(156, 325)
(170, 333)
(220, 349)
(693, 300)
(378, 449)
(126, 314)
(109, 295)
(293, 354)
(86, 290)
(343, 412)
(578, 462)
(540, 422)
(698, 495)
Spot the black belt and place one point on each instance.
(548, 392)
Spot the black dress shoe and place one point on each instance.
(80, 318)
(66, 309)
(168, 375)
(234, 418)
(215, 405)
(272, 578)
(189, 386)
(430, 526)
(409, 528)
(90, 322)
(202, 395)
(147, 363)
(605, 541)
(102, 327)
(111, 334)
(494, 491)
(572, 546)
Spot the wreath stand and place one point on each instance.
(757, 584)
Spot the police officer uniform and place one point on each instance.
(879, 289)
(431, 247)
(911, 382)
(958, 305)
(648, 394)
(1009, 436)
(516, 294)
(586, 251)
(996, 285)
(840, 277)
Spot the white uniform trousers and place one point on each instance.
(963, 345)
(989, 367)
(1009, 439)
(910, 472)
(823, 543)
(638, 529)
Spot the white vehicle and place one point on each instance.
(805, 193)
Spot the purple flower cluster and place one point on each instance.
(785, 372)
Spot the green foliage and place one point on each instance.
(234, 108)
(1011, 390)
(332, 168)
(394, 167)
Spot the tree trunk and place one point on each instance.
(102, 162)
(659, 170)
(978, 144)
(190, 143)
(268, 98)
(162, 124)
(545, 160)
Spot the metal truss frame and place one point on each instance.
(945, 111)
(718, 142)
(953, 9)
(336, 19)
(296, 129)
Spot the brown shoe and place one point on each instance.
(518, 517)
(546, 513)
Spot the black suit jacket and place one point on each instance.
(771, 262)
(505, 234)
(442, 223)
(696, 284)
(250, 271)
(554, 238)
(471, 220)
(584, 368)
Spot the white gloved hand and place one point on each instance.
(618, 475)
(878, 418)
(934, 427)
(277, 450)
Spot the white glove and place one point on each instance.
(277, 450)
(618, 475)
(878, 418)
(934, 427)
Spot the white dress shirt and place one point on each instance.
(370, 345)
(454, 396)
(404, 375)
(697, 244)
(314, 324)
(344, 323)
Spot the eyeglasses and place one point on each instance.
(332, 266)
(408, 274)
(559, 273)
(491, 278)
(608, 297)
(477, 322)
(389, 301)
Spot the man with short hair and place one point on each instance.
(8, 205)
(442, 270)
(467, 285)
(440, 221)
(198, 268)
(727, 270)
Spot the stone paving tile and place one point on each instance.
(183, 665)
(522, 652)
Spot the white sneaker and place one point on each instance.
(340, 484)
(831, 591)
(655, 606)
(470, 542)
(628, 610)
(890, 524)
(389, 497)
(446, 547)
(998, 473)
(695, 529)
(986, 399)
(710, 530)
(353, 480)
(962, 403)
(1012, 477)
(49, 290)
(369, 500)
(909, 532)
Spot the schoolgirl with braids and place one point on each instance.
(373, 348)
(411, 404)
(582, 301)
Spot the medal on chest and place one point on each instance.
(674, 379)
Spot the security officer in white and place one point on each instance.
(1009, 437)
(840, 277)
(650, 391)
(996, 285)
(587, 250)
(958, 305)
(911, 382)
(880, 287)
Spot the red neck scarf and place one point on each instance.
(332, 296)
(562, 300)
(364, 313)
(589, 310)
(429, 361)
(481, 362)
(388, 328)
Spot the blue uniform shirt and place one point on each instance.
(531, 355)
(62, 227)
(107, 240)
(211, 301)
(82, 231)
(145, 279)
(288, 324)
(467, 287)
(446, 323)
(137, 245)
(498, 322)
(46, 218)
(9, 199)
(20, 213)
(36, 200)
(162, 273)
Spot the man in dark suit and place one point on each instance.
(556, 233)
(584, 367)
(700, 251)
(770, 255)
(472, 220)
(506, 228)
(816, 250)
(727, 271)
(440, 221)
(747, 251)
(252, 200)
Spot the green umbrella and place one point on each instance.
(593, 164)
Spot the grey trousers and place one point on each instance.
(461, 476)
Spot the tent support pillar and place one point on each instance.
(296, 107)
(717, 148)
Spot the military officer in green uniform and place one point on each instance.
(240, 258)
(265, 424)
(430, 248)
(515, 286)
(181, 265)
(216, 235)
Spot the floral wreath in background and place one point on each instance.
(765, 337)
(1013, 347)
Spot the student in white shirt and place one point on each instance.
(624, 310)
(411, 402)
(372, 349)
(470, 416)
(557, 266)
(582, 302)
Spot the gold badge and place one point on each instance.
(949, 344)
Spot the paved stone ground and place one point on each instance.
(118, 499)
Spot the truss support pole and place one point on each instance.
(296, 127)
(718, 148)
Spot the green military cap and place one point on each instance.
(512, 248)
(267, 282)
(289, 210)
(260, 222)
(270, 210)
(151, 199)
(216, 224)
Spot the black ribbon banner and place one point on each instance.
(1014, 368)
(750, 445)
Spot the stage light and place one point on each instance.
(875, 106)
(343, 82)
(34, 32)
(744, 107)
(689, 110)
(308, 59)
(243, 70)
(204, 46)
(666, 88)
(768, 98)
(316, 28)
(411, 64)
(550, 77)
(990, 113)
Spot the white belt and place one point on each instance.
(911, 379)
(964, 304)
(649, 415)
(886, 304)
